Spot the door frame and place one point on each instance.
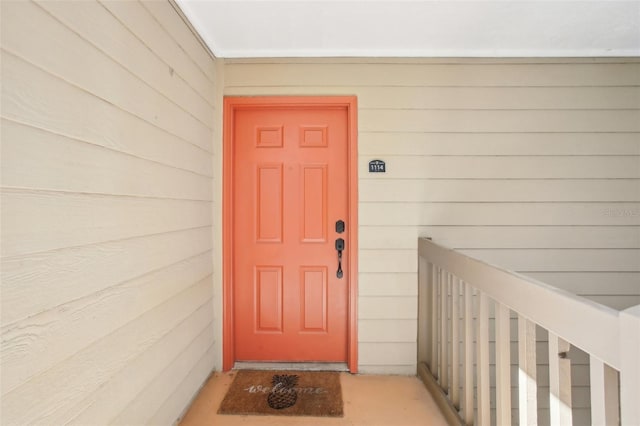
(235, 103)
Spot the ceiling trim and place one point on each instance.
(415, 53)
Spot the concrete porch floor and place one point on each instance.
(368, 400)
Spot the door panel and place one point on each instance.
(290, 183)
(314, 291)
(314, 203)
(269, 203)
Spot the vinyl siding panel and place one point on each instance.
(503, 237)
(60, 339)
(142, 22)
(44, 101)
(499, 144)
(50, 45)
(387, 284)
(98, 25)
(90, 369)
(510, 167)
(430, 73)
(90, 168)
(500, 214)
(28, 230)
(531, 164)
(108, 123)
(474, 98)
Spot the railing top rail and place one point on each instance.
(588, 325)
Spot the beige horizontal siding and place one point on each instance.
(33, 97)
(107, 213)
(507, 167)
(530, 260)
(465, 121)
(532, 164)
(191, 372)
(42, 281)
(499, 190)
(591, 283)
(59, 339)
(165, 14)
(397, 307)
(89, 168)
(498, 144)
(76, 219)
(142, 22)
(408, 73)
(387, 284)
(382, 358)
(49, 45)
(93, 367)
(474, 98)
(501, 237)
(95, 23)
(379, 330)
(500, 214)
(149, 382)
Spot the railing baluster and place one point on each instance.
(444, 333)
(467, 354)
(559, 382)
(527, 379)
(604, 389)
(482, 367)
(424, 295)
(612, 394)
(434, 320)
(455, 341)
(630, 372)
(503, 365)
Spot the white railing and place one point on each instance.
(484, 300)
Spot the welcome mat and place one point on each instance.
(289, 393)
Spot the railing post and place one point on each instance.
(559, 382)
(527, 378)
(503, 365)
(467, 354)
(482, 365)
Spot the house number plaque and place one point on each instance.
(377, 166)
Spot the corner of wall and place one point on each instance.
(217, 211)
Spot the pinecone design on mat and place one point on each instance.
(283, 393)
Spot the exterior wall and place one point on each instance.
(532, 165)
(107, 165)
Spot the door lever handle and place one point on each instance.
(339, 248)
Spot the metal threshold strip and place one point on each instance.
(303, 366)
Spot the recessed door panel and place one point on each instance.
(314, 136)
(269, 137)
(268, 295)
(314, 314)
(269, 203)
(314, 203)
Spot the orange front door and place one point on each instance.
(290, 187)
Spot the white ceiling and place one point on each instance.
(446, 28)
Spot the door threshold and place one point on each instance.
(302, 366)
